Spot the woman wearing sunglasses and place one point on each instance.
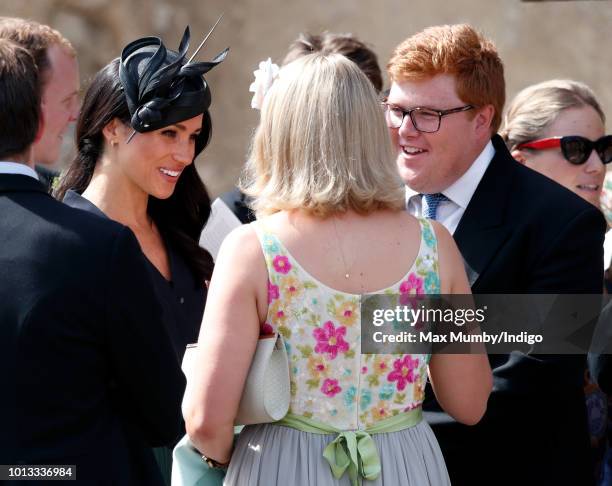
(558, 129)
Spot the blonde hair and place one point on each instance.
(534, 108)
(322, 144)
(458, 50)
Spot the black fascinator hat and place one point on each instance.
(163, 88)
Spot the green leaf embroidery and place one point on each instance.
(305, 350)
(313, 320)
(331, 308)
(399, 398)
(350, 354)
(309, 285)
(373, 380)
(285, 331)
(313, 383)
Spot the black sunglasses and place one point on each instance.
(576, 150)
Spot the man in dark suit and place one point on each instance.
(518, 232)
(57, 62)
(89, 377)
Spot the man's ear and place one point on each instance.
(41, 126)
(484, 119)
(519, 156)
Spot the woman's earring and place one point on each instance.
(114, 143)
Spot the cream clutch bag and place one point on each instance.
(265, 397)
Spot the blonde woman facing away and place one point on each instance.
(331, 227)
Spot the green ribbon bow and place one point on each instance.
(354, 451)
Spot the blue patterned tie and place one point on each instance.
(431, 204)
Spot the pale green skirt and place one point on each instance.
(270, 455)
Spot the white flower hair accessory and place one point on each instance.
(264, 79)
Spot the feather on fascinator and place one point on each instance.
(163, 88)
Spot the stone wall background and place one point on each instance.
(537, 41)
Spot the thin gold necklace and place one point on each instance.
(347, 275)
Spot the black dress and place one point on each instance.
(182, 299)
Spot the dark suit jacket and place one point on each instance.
(524, 233)
(239, 204)
(46, 176)
(89, 376)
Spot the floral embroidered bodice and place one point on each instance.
(331, 381)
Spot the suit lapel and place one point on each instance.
(482, 229)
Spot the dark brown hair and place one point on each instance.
(345, 44)
(183, 215)
(19, 99)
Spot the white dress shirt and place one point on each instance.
(17, 168)
(459, 193)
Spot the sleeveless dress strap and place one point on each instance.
(270, 245)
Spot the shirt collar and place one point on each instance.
(17, 168)
(409, 194)
(461, 191)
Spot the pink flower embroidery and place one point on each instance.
(380, 365)
(330, 387)
(410, 288)
(281, 264)
(272, 292)
(330, 339)
(403, 371)
(266, 329)
(413, 285)
(364, 370)
(277, 312)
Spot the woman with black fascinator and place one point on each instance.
(143, 121)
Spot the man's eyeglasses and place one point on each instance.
(425, 120)
(575, 149)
